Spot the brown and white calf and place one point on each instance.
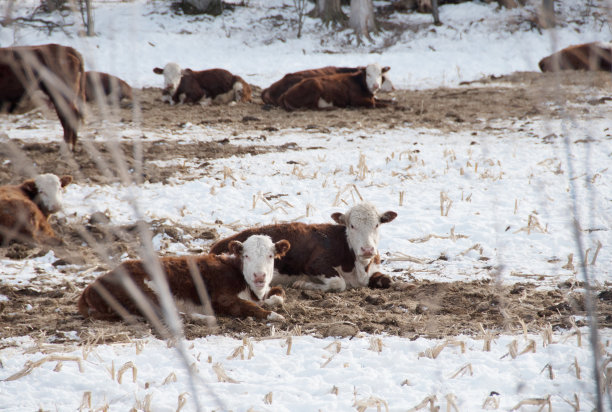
(217, 86)
(25, 209)
(54, 69)
(327, 256)
(337, 90)
(236, 284)
(588, 56)
(102, 86)
(272, 94)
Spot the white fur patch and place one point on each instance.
(322, 104)
(49, 191)
(275, 317)
(335, 284)
(246, 295)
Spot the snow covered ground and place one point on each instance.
(506, 203)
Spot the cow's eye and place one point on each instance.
(352, 227)
(377, 225)
(270, 256)
(246, 256)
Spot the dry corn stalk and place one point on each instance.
(268, 398)
(570, 262)
(542, 402)
(30, 366)
(289, 343)
(577, 368)
(431, 400)
(487, 337)
(221, 374)
(334, 390)
(432, 353)
(551, 374)
(575, 404)
(547, 335)
(182, 401)
(351, 188)
(533, 224)
(445, 204)
(376, 344)
(170, 379)
(86, 401)
(362, 167)
(450, 403)
(531, 347)
(364, 404)
(491, 401)
(124, 368)
(512, 350)
(467, 368)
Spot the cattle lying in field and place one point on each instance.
(235, 283)
(54, 69)
(25, 208)
(272, 94)
(331, 256)
(217, 86)
(355, 89)
(105, 87)
(588, 56)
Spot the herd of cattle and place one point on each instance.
(235, 278)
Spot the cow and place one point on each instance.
(56, 70)
(217, 86)
(235, 284)
(25, 209)
(271, 94)
(337, 90)
(588, 56)
(327, 257)
(106, 86)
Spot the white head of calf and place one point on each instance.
(172, 77)
(49, 197)
(258, 253)
(374, 76)
(362, 222)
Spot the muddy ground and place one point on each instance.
(412, 309)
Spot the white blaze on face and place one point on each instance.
(374, 77)
(172, 78)
(362, 222)
(258, 253)
(49, 191)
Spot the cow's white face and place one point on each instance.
(49, 192)
(258, 253)
(172, 78)
(362, 222)
(374, 77)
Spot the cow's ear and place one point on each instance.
(387, 216)
(29, 188)
(157, 70)
(65, 180)
(235, 247)
(339, 218)
(282, 247)
(386, 69)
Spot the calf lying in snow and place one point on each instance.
(189, 86)
(25, 208)
(335, 256)
(235, 283)
(588, 56)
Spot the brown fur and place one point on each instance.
(342, 90)
(109, 85)
(316, 249)
(23, 217)
(196, 85)
(272, 94)
(588, 56)
(222, 276)
(19, 76)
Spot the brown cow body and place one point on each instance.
(325, 253)
(588, 56)
(229, 288)
(56, 70)
(272, 94)
(106, 85)
(25, 208)
(189, 86)
(336, 90)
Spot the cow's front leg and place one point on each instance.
(275, 297)
(379, 281)
(328, 284)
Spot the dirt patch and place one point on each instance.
(424, 308)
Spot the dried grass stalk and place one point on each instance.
(542, 402)
(531, 347)
(182, 401)
(575, 404)
(289, 343)
(450, 403)
(551, 374)
(430, 400)
(376, 344)
(86, 401)
(124, 368)
(30, 366)
(170, 379)
(268, 398)
(221, 374)
(467, 368)
(491, 401)
(364, 404)
(432, 353)
(570, 263)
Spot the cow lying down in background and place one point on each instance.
(327, 256)
(588, 56)
(25, 209)
(216, 86)
(235, 284)
(272, 94)
(106, 88)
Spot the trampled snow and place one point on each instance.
(494, 188)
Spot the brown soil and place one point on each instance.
(417, 309)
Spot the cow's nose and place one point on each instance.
(367, 251)
(259, 277)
